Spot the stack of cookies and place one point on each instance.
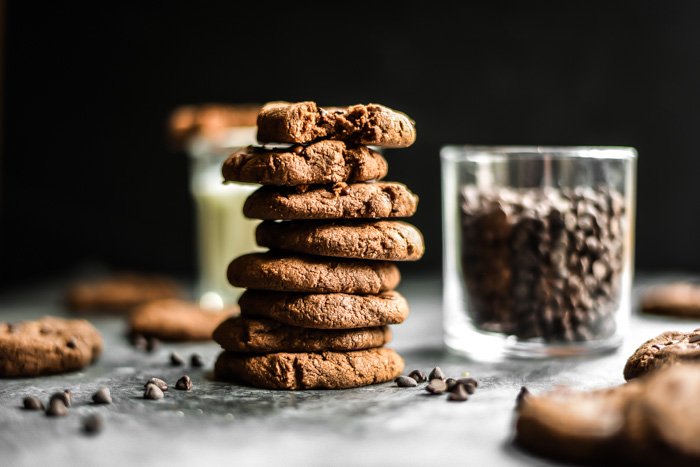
(318, 303)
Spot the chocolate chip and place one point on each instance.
(162, 385)
(176, 359)
(520, 398)
(32, 403)
(436, 374)
(436, 386)
(102, 396)
(57, 408)
(451, 383)
(196, 360)
(65, 397)
(152, 344)
(405, 382)
(459, 394)
(298, 149)
(139, 342)
(470, 384)
(418, 376)
(92, 424)
(152, 392)
(694, 338)
(184, 383)
(72, 343)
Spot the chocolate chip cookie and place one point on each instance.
(266, 336)
(324, 370)
(301, 273)
(47, 346)
(304, 122)
(669, 348)
(318, 163)
(383, 240)
(177, 320)
(357, 200)
(120, 293)
(569, 425)
(676, 299)
(325, 311)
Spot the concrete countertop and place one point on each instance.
(216, 422)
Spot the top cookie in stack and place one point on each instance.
(317, 307)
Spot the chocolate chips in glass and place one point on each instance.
(543, 262)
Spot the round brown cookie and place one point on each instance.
(663, 425)
(265, 336)
(677, 299)
(358, 200)
(667, 349)
(324, 370)
(319, 163)
(120, 293)
(47, 346)
(303, 122)
(575, 426)
(325, 311)
(301, 273)
(177, 320)
(384, 240)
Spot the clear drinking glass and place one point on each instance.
(223, 233)
(538, 249)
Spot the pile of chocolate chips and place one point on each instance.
(457, 390)
(543, 263)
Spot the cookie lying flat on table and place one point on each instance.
(265, 336)
(667, 349)
(319, 163)
(304, 122)
(120, 292)
(325, 310)
(177, 320)
(357, 200)
(47, 346)
(574, 425)
(301, 273)
(677, 299)
(383, 240)
(325, 370)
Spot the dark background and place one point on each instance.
(87, 176)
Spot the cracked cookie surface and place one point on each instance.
(666, 349)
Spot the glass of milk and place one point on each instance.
(223, 233)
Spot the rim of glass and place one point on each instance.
(470, 152)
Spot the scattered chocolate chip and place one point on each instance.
(184, 383)
(92, 424)
(418, 375)
(451, 383)
(139, 342)
(152, 392)
(152, 344)
(437, 373)
(694, 338)
(162, 385)
(436, 386)
(32, 403)
(459, 394)
(522, 395)
(405, 382)
(196, 360)
(72, 343)
(176, 359)
(102, 396)
(469, 382)
(57, 408)
(65, 397)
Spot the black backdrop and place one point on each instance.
(86, 174)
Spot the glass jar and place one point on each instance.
(223, 233)
(538, 249)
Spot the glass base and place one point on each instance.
(494, 347)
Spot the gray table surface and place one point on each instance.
(222, 423)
